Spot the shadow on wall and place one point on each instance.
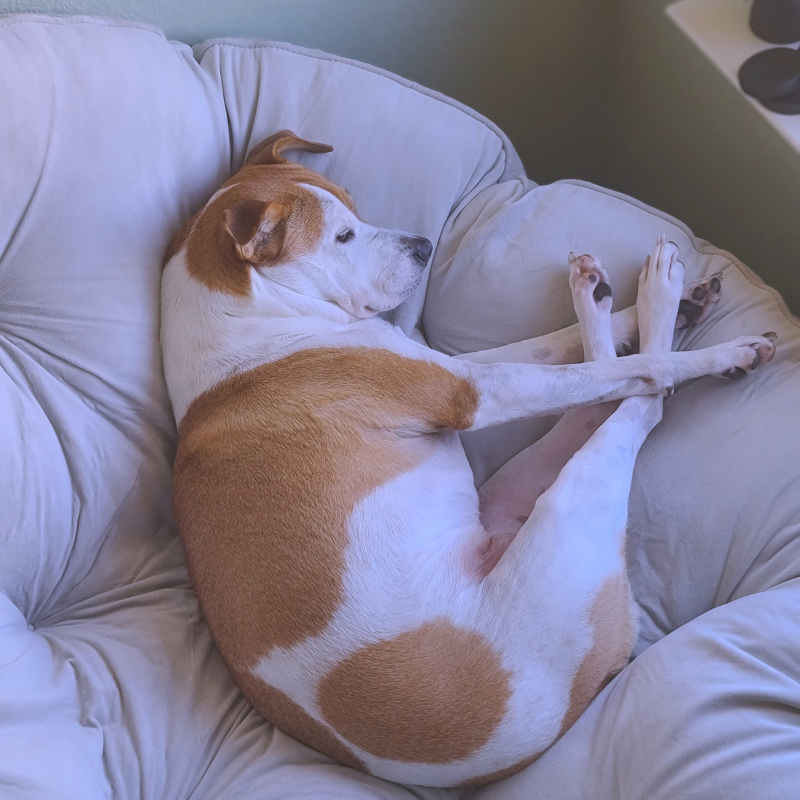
(609, 92)
(683, 139)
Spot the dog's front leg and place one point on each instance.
(513, 391)
(566, 346)
(560, 347)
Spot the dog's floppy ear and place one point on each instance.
(258, 229)
(270, 151)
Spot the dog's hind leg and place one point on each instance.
(568, 560)
(508, 497)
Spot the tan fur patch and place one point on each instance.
(612, 643)
(270, 465)
(287, 715)
(211, 255)
(432, 695)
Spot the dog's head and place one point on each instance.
(276, 222)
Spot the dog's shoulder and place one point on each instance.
(366, 376)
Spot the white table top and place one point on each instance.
(720, 29)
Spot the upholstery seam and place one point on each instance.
(218, 43)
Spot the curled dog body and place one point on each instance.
(367, 598)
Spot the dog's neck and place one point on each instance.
(291, 310)
(208, 336)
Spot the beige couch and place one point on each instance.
(110, 686)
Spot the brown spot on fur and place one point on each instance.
(263, 219)
(612, 643)
(266, 217)
(291, 718)
(270, 465)
(507, 772)
(573, 354)
(432, 695)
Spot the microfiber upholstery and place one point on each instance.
(110, 686)
(710, 708)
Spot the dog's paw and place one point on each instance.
(661, 280)
(591, 297)
(749, 353)
(660, 288)
(698, 300)
(588, 279)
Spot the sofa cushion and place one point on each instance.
(708, 713)
(110, 684)
(411, 158)
(715, 506)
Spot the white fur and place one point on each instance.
(533, 606)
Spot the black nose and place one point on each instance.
(420, 248)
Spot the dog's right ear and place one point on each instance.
(257, 228)
(270, 151)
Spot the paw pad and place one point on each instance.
(698, 301)
(602, 290)
(734, 373)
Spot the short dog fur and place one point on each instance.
(367, 598)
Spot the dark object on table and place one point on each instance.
(771, 73)
(776, 21)
(788, 104)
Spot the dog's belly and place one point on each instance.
(409, 673)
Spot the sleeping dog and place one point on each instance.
(367, 599)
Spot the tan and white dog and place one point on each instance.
(368, 600)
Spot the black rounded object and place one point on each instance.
(776, 21)
(788, 104)
(771, 73)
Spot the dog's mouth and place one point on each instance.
(407, 292)
(371, 311)
(382, 305)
